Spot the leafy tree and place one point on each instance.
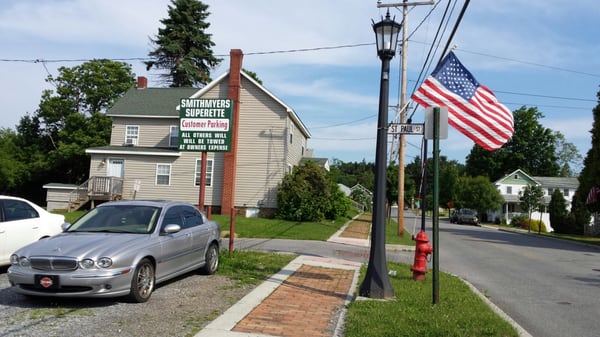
(477, 193)
(11, 169)
(558, 212)
(448, 173)
(391, 189)
(568, 156)
(530, 199)
(69, 119)
(309, 194)
(253, 75)
(532, 149)
(353, 173)
(362, 197)
(182, 46)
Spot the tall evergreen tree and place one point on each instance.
(558, 212)
(590, 174)
(183, 47)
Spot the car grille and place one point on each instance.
(62, 289)
(53, 263)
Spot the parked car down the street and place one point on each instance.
(464, 215)
(120, 248)
(23, 222)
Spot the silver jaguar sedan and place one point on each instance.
(120, 248)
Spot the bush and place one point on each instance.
(500, 220)
(309, 194)
(524, 222)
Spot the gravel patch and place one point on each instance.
(180, 307)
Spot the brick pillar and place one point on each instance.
(230, 158)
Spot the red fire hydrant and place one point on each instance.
(422, 249)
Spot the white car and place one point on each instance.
(23, 222)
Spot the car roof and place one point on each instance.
(154, 203)
(11, 197)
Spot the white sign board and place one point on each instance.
(443, 123)
(406, 129)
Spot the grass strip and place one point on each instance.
(459, 311)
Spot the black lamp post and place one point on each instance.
(377, 283)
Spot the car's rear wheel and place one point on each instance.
(211, 260)
(142, 283)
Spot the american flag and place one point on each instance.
(473, 109)
(592, 197)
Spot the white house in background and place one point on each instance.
(512, 185)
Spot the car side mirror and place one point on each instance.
(65, 226)
(171, 228)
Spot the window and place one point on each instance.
(163, 174)
(132, 133)
(508, 189)
(566, 192)
(291, 133)
(209, 172)
(174, 136)
(18, 210)
(192, 217)
(173, 216)
(550, 190)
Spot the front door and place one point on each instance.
(116, 168)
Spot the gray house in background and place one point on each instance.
(143, 160)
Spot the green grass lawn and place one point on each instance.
(280, 229)
(392, 237)
(251, 267)
(459, 311)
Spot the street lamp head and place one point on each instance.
(386, 34)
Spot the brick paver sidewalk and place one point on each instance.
(305, 305)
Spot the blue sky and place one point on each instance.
(540, 53)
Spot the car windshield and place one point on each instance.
(117, 219)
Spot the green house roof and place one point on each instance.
(151, 102)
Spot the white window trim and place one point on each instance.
(171, 128)
(134, 140)
(197, 172)
(157, 174)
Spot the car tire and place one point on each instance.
(142, 283)
(211, 260)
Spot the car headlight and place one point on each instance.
(23, 261)
(87, 263)
(104, 262)
(14, 259)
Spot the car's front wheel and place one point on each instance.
(211, 260)
(142, 283)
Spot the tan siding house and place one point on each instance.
(143, 161)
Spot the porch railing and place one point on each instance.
(95, 188)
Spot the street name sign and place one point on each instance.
(406, 129)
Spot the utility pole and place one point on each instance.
(403, 105)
